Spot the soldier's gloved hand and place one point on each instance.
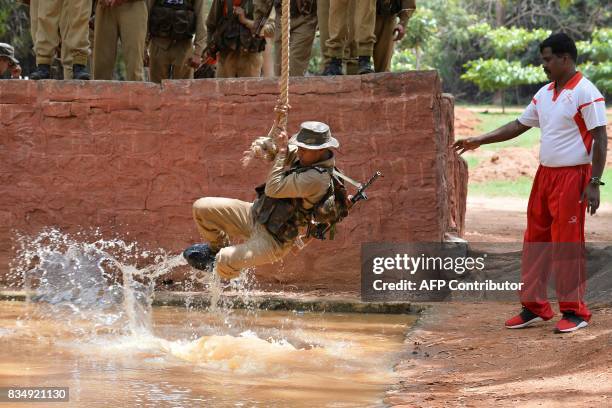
(399, 32)
(281, 141)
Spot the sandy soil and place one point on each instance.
(460, 355)
(503, 219)
(465, 122)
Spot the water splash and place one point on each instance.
(111, 283)
(87, 277)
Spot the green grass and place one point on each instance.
(471, 160)
(491, 121)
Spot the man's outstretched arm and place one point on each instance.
(509, 131)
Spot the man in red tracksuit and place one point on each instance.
(571, 114)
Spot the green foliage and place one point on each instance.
(599, 48)
(600, 74)
(508, 40)
(420, 28)
(598, 67)
(15, 29)
(461, 31)
(496, 74)
(406, 61)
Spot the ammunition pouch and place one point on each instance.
(282, 217)
(230, 35)
(176, 22)
(278, 215)
(333, 207)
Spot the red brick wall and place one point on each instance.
(132, 157)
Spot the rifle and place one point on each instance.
(318, 231)
(361, 195)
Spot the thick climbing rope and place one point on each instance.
(282, 106)
(265, 147)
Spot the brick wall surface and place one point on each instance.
(130, 158)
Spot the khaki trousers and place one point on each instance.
(164, 54)
(338, 25)
(128, 23)
(65, 52)
(66, 18)
(383, 49)
(224, 220)
(351, 54)
(236, 64)
(301, 36)
(323, 23)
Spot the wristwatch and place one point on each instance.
(597, 181)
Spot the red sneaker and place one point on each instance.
(569, 323)
(523, 319)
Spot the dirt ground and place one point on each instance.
(503, 219)
(460, 355)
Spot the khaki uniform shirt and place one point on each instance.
(310, 185)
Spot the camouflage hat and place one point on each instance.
(8, 51)
(314, 135)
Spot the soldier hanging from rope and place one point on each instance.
(298, 185)
(303, 197)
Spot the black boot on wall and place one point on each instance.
(80, 72)
(43, 71)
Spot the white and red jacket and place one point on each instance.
(565, 119)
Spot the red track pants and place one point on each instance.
(554, 241)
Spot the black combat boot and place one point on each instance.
(365, 65)
(200, 256)
(43, 71)
(333, 67)
(80, 72)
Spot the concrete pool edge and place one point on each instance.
(346, 303)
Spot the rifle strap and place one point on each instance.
(347, 178)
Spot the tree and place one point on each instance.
(498, 73)
(598, 68)
(421, 27)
